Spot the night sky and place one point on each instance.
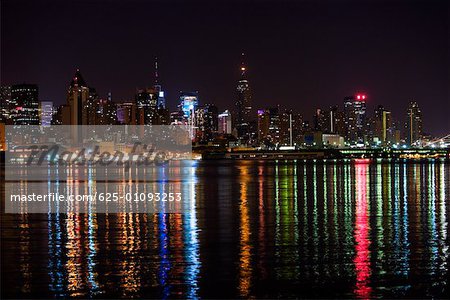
(300, 54)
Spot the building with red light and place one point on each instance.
(355, 118)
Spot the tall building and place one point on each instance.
(25, 104)
(334, 120)
(273, 126)
(286, 127)
(413, 126)
(46, 113)
(126, 113)
(77, 97)
(225, 123)
(146, 106)
(355, 118)
(328, 121)
(382, 125)
(319, 120)
(106, 113)
(206, 122)
(5, 103)
(188, 104)
(297, 128)
(90, 108)
(161, 102)
(243, 105)
(263, 124)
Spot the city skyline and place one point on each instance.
(269, 127)
(312, 60)
(235, 149)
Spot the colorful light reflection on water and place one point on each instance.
(258, 229)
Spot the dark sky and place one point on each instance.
(300, 54)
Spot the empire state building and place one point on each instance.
(243, 105)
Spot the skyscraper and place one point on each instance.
(188, 104)
(106, 113)
(5, 103)
(25, 104)
(126, 113)
(382, 125)
(243, 105)
(161, 103)
(206, 122)
(224, 123)
(90, 108)
(355, 118)
(77, 97)
(46, 113)
(319, 120)
(413, 126)
(146, 105)
(263, 124)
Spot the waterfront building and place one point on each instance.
(188, 105)
(24, 104)
(355, 118)
(46, 113)
(243, 105)
(126, 113)
(161, 100)
(225, 123)
(206, 122)
(146, 105)
(382, 126)
(77, 97)
(319, 120)
(413, 125)
(332, 140)
(106, 113)
(263, 124)
(5, 103)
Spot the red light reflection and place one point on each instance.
(361, 234)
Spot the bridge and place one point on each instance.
(443, 142)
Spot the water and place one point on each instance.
(259, 229)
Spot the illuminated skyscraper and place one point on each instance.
(320, 120)
(355, 118)
(188, 103)
(263, 124)
(90, 108)
(270, 125)
(46, 113)
(146, 106)
(188, 106)
(243, 105)
(106, 113)
(5, 103)
(382, 125)
(77, 97)
(126, 113)
(206, 122)
(158, 89)
(224, 123)
(413, 126)
(25, 104)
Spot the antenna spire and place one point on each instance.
(243, 68)
(156, 70)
